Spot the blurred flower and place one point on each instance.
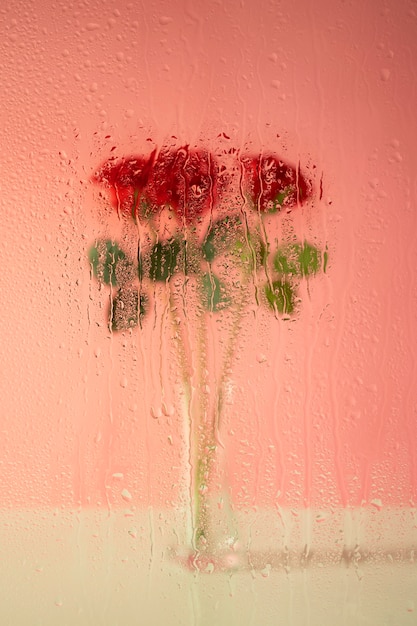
(125, 179)
(272, 184)
(186, 180)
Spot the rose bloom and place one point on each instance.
(272, 184)
(185, 180)
(126, 180)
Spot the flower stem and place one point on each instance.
(203, 410)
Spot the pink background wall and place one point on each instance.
(332, 417)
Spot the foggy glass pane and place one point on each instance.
(208, 321)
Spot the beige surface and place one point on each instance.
(99, 569)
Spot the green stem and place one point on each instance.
(204, 419)
(207, 442)
(186, 379)
(201, 442)
(230, 350)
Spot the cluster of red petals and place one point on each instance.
(125, 177)
(184, 179)
(271, 183)
(187, 180)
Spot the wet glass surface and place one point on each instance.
(208, 398)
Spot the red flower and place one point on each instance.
(273, 184)
(186, 180)
(126, 179)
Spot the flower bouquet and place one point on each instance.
(200, 226)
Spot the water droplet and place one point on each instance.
(167, 409)
(377, 503)
(156, 413)
(164, 20)
(92, 26)
(276, 84)
(118, 476)
(123, 382)
(385, 74)
(266, 570)
(126, 495)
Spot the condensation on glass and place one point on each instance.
(209, 313)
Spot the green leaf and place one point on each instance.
(298, 259)
(252, 253)
(221, 236)
(164, 260)
(281, 296)
(310, 259)
(208, 249)
(167, 258)
(128, 308)
(325, 259)
(214, 295)
(286, 260)
(141, 266)
(106, 258)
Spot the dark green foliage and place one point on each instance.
(128, 308)
(105, 257)
(325, 259)
(281, 296)
(164, 260)
(291, 262)
(310, 259)
(286, 260)
(221, 236)
(214, 297)
(297, 259)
